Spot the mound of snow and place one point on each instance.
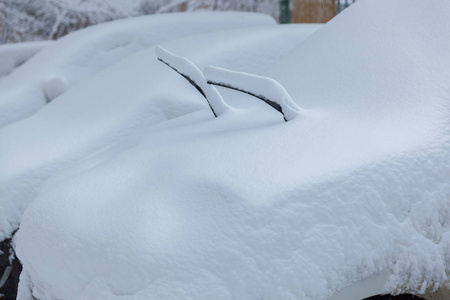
(136, 92)
(246, 207)
(78, 56)
(53, 87)
(14, 55)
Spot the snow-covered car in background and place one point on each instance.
(14, 55)
(78, 56)
(346, 197)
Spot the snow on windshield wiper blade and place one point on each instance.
(195, 77)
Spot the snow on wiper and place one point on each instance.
(263, 88)
(194, 76)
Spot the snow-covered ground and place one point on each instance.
(80, 55)
(168, 202)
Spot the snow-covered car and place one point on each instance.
(78, 56)
(338, 189)
(14, 55)
(98, 112)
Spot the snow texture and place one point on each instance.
(12, 56)
(187, 69)
(244, 206)
(264, 88)
(25, 287)
(54, 87)
(78, 56)
(134, 93)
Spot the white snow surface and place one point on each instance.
(14, 55)
(136, 92)
(80, 55)
(185, 67)
(244, 206)
(259, 86)
(53, 87)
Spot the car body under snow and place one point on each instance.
(350, 191)
(95, 114)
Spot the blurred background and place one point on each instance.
(35, 20)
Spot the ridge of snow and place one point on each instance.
(265, 88)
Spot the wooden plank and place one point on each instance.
(313, 11)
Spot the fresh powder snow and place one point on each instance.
(267, 89)
(244, 206)
(14, 55)
(54, 86)
(80, 55)
(187, 69)
(135, 92)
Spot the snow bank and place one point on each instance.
(264, 88)
(136, 92)
(81, 54)
(246, 207)
(187, 69)
(14, 55)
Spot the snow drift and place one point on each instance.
(78, 56)
(245, 207)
